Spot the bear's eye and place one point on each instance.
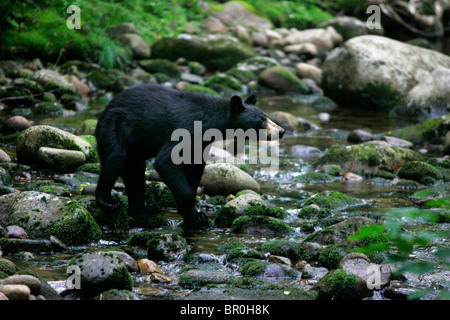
(263, 119)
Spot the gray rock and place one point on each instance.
(234, 13)
(282, 80)
(16, 291)
(60, 160)
(101, 271)
(310, 272)
(33, 283)
(225, 179)
(359, 135)
(375, 71)
(198, 278)
(350, 27)
(15, 232)
(326, 38)
(244, 201)
(139, 48)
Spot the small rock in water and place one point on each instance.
(148, 266)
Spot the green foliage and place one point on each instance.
(291, 14)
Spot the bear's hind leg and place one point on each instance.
(109, 173)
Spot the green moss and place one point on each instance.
(224, 84)
(167, 247)
(421, 172)
(339, 285)
(201, 89)
(286, 248)
(383, 174)
(164, 66)
(76, 225)
(244, 252)
(331, 200)
(225, 217)
(313, 212)
(314, 177)
(263, 210)
(7, 268)
(380, 96)
(90, 167)
(331, 255)
(261, 224)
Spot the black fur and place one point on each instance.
(138, 124)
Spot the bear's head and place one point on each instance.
(245, 116)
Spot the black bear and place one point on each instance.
(138, 124)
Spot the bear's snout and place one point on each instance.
(274, 131)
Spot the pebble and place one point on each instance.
(16, 291)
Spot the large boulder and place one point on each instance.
(430, 98)
(34, 138)
(43, 215)
(377, 72)
(216, 52)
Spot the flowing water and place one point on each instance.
(280, 188)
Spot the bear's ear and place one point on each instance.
(236, 104)
(252, 98)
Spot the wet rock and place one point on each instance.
(198, 278)
(359, 136)
(330, 200)
(367, 157)
(322, 38)
(287, 121)
(324, 104)
(244, 201)
(338, 233)
(236, 13)
(101, 271)
(87, 127)
(4, 157)
(430, 98)
(52, 80)
(340, 285)
(399, 291)
(350, 27)
(305, 70)
(33, 283)
(82, 88)
(372, 71)
(294, 250)
(16, 291)
(376, 276)
(60, 160)
(14, 124)
(10, 245)
(15, 232)
(216, 52)
(7, 267)
(148, 266)
(167, 247)
(280, 260)
(269, 270)
(42, 215)
(224, 84)
(261, 225)
(164, 66)
(397, 142)
(282, 80)
(225, 179)
(421, 172)
(310, 272)
(32, 139)
(300, 151)
(305, 49)
(128, 36)
(431, 131)
(314, 177)
(130, 263)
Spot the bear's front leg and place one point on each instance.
(175, 179)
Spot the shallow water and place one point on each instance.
(279, 187)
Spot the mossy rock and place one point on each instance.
(164, 66)
(32, 139)
(282, 80)
(101, 79)
(215, 52)
(421, 172)
(242, 253)
(159, 194)
(196, 88)
(140, 238)
(114, 221)
(331, 255)
(293, 250)
(7, 268)
(196, 278)
(269, 270)
(167, 247)
(49, 108)
(224, 84)
(43, 215)
(330, 200)
(340, 285)
(16, 95)
(263, 210)
(313, 211)
(101, 271)
(314, 177)
(261, 225)
(431, 130)
(367, 157)
(225, 217)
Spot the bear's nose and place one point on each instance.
(281, 133)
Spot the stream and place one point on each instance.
(279, 188)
